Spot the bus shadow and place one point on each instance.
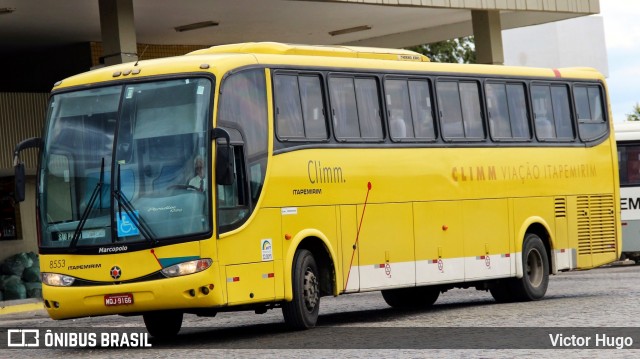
(279, 336)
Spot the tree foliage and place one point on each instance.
(635, 115)
(460, 50)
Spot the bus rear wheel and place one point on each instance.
(411, 298)
(535, 279)
(535, 268)
(302, 311)
(163, 324)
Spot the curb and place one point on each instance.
(21, 306)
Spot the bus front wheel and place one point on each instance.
(163, 324)
(302, 311)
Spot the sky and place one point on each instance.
(622, 36)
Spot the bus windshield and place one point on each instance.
(125, 164)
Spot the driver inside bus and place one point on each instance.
(198, 181)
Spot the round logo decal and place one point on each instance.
(115, 272)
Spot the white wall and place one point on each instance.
(575, 42)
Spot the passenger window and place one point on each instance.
(421, 109)
(343, 102)
(355, 108)
(460, 111)
(399, 109)
(368, 108)
(471, 112)
(498, 111)
(562, 112)
(629, 156)
(299, 107)
(288, 107)
(543, 112)
(507, 111)
(591, 119)
(552, 112)
(315, 125)
(450, 111)
(518, 111)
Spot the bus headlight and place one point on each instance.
(56, 280)
(189, 267)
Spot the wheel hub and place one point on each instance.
(535, 267)
(310, 290)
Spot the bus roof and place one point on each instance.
(223, 58)
(276, 48)
(274, 53)
(627, 131)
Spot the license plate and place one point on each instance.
(118, 299)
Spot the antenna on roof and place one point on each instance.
(142, 54)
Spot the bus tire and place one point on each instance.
(302, 311)
(535, 268)
(411, 298)
(163, 324)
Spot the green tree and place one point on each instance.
(460, 50)
(635, 115)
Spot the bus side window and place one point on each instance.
(399, 109)
(422, 111)
(471, 112)
(562, 112)
(288, 107)
(450, 110)
(368, 101)
(507, 110)
(498, 111)
(589, 108)
(518, 110)
(344, 109)
(543, 112)
(633, 164)
(315, 124)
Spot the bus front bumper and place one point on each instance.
(198, 290)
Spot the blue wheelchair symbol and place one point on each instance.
(126, 227)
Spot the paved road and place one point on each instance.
(605, 297)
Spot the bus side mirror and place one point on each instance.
(20, 182)
(224, 158)
(18, 165)
(224, 166)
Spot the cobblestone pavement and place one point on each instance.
(604, 297)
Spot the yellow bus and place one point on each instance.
(265, 175)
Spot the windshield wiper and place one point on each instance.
(123, 203)
(97, 191)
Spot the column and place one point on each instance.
(487, 33)
(118, 31)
